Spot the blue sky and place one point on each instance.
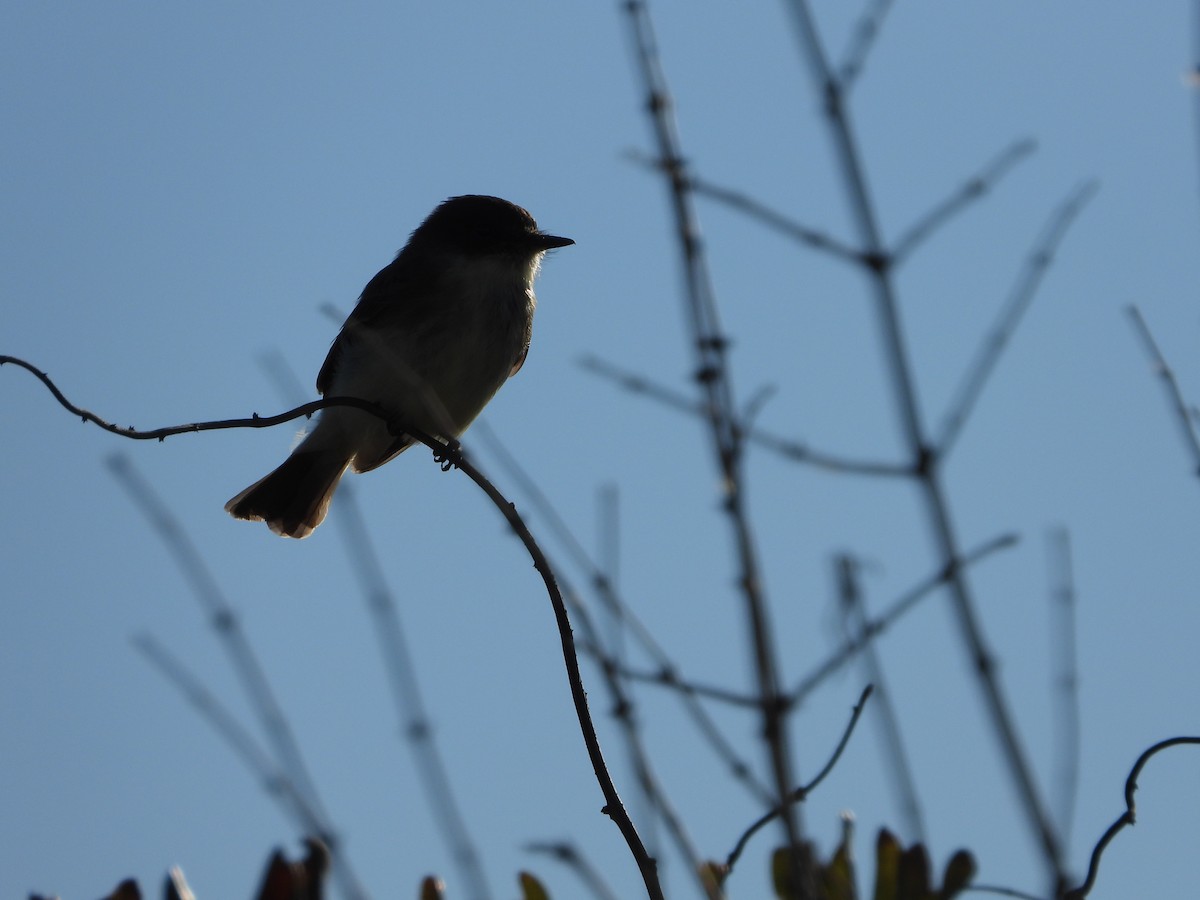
(185, 188)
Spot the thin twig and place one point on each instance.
(1128, 817)
(863, 38)
(895, 756)
(246, 665)
(785, 447)
(878, 268)
(1019, 298)
(757, 211)
(710, 346)
(1066, 679)
(450, 455)
(973, 189)
(895, 611)
(800, 793)
(670, 678)
(1170, 386)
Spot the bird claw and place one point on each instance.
(449, 456)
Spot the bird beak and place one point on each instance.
(550, 241)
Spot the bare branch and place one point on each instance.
(1066, 679)
(1022, 294)
(1170, 386)
(861, 41)
(785, 447)
(758, 212)
(895, 756)
(800, 793)
(710, 346)
(876, 627)
(1128, 817)
(415, 721)
(273, 779)
(451, 455)
(246, 665)
(621, 612)
(973, 189)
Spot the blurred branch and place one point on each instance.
(973, 189)
(414, 719)
(756, 210)
(1021, 295)
(861, 41)
(246, 665)
(1170, 385)
(793, 450)
(415, 723)
(273, 779)
(1066, 679)
(450, 455)
(569, 855)
(801, 793)
(1128, 817)
(878, 268)
(710, 346)
(620, 610)
(899, 608)
(895, 757)
(670, 678)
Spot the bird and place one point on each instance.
(432, 338)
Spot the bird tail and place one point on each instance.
(294, 499)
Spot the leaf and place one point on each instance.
(887, 866)
(433, 888)
(959, 872)
(531, 888)
(713, 874)
(913, 882)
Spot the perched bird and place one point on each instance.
(432, 338)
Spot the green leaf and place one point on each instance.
(887, 866)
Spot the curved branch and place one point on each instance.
(449, 454)
(802, 792)
(1126, 818)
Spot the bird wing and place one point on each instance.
(392, 295)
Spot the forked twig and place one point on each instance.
(896, 611)
(757, 211)
(785, 447)
(710, 346)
